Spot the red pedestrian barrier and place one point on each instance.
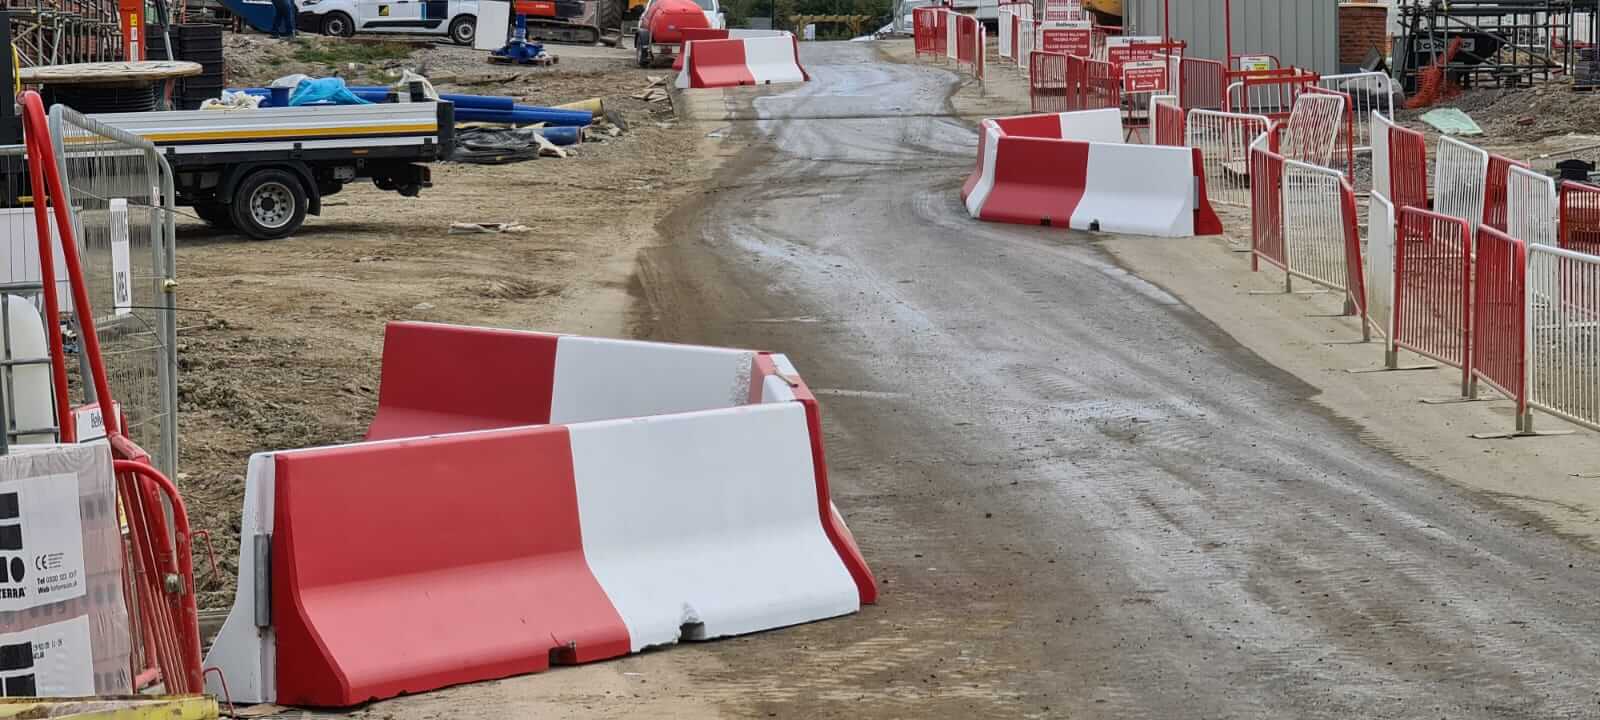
(1047, 82)
(1201, 84)
(1266, 202)
(1092, 85)
(1169, 125)
(1499, 317)
(928, 30)
(1580, 217)
(1495, 195)
(1433, 289)
(1408, 168)
(1267, 92)
(970, 41)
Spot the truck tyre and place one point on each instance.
(269, 204)
(642, 42)
(216, 215)
(463, 30)
(338, 24)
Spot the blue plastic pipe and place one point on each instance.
(527, 115)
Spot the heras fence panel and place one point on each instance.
(1266, 205)
(1371, 94)
(1408, 168)
(1499, 340)
(1460, 179)
(1224, 142)
(1580, 217)
(1564, 334)
(1495, 197)
(1532, 209)
(1433, 282)
(1047, 82)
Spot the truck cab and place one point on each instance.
(456, 19)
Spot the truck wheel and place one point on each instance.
(216, 215)
(338, 24)
(642, 42)
(463, 29)
(269, 204)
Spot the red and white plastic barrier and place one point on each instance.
(1072, 169)
(607, 496)
(739, 61)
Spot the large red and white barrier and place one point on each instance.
(586, 499)
(1072, 169)
(741, 61)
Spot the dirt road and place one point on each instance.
(1083, 498)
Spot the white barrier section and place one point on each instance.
(1461, 173)
(600, 379)
(1138, 189)
(950, 34)
(1532, 208)
(1378, 139)
(1313, 128)
(991, 150)
(1005, 31)
(1381, 223)
(705, 525)
(247, 654)
(1563, 322)
(1371, 93)
(1224, 143)
(1027, 38)
(1102, 126)
(1155, 118)
(772, 60)
(1313, 224)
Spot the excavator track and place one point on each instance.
(557, 31)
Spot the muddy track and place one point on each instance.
(1082, 498)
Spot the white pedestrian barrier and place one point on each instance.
(1027, 38)
(1224, 143)
(1378, 140)
(1371, 93)
(1314, 224)
(1460, 179)
(1563, 311)
(1532, 207)
(1313, 128)
(1381, 222)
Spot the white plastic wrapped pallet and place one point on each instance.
(63, 619)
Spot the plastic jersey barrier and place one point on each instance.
(1030, 171)
(1580, 217)
(1433, 289)
(620, 513)
(1499, 338)
(1532, 208)
(1563, 306)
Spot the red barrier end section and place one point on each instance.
(1037, 181)
(833, 524)
(718, 63)
(1206, 221)
(466, 565)
(443, 379)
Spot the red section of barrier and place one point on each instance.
(1206, 221)
(1433, 288)
(1500, 295)
(968, 51)
(928, 30)
(1092, 85)
(718, 63)
(1170, 121)
(1034, 173)
(465, 564)
(1354, 265)
(1495, 195)
(696, 34)
(1277, 101)
(832, 524)
(426, 390)
(1580, 217)
(1266, 205)
(1201, 84)
(1408, 168)
(1047, 82)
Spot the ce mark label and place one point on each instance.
(49, 561)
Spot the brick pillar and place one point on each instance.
(1363, 27)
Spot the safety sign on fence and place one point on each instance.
(1066, 38)
(1129, 48)
(1144, 76)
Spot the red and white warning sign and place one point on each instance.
(1129, 48)
(1067, 38)
(1144, 76)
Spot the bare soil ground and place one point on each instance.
(280, 341)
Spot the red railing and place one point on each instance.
(1266, 203)
(1047, 82)
(1433, 289)
(1408, 168)
(928, 30)
(969, 44)
(1169, 125)
(1355, 267)
(162, 611)
(1580, 217)
(1267, 92)
(1495, 194)
(1092, 85)
(1201, 84)
(1500, 295)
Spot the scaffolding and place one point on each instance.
(1504, 43)
(57, 32)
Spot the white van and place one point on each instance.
(457, 19)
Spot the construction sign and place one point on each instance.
(1067, 38)
(1144, 76)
